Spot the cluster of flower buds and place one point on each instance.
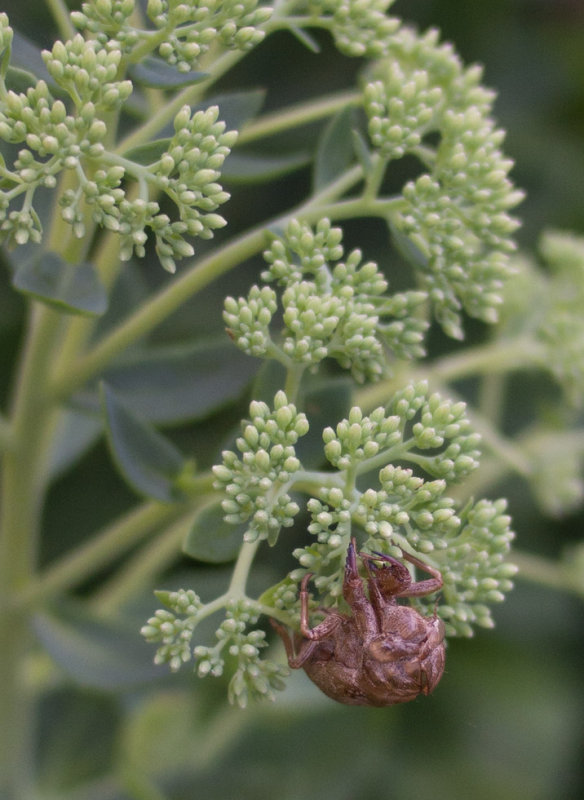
(400, 109)
(414, 421)
(562, 327)
(182, 31)
(469, 547)
(359, 437)
(186, 171)
(88, 73)
(331, 521)
(359, 27)
(474, 567)
(174, 627)
(257, 482)
(237, 640)
(338, 310)
(456, 213)
(437, 422)
(542, 318)
(185, 168)
(248, 320)
(254, 678)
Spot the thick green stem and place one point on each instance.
(5, 434)
(24, 476)
(23, 485)
(24, 482)
(106, 259)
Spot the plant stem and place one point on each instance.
(494, 358)
(296, 115)
(491, 397)
(500, 356)
(545, 572)
(99, 551)
(362, 207)
(151, 560)
(23, 477)
(293, 379)
(106, 259)
(375, 176)
(61, 16)
(23, 484)
(242, 568)
(5, 434)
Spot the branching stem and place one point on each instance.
(294, 116)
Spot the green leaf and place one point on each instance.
(211, 539)
(269, 379)
(165, 732)
(148, 153)
(19, 80)
(410, 251)
(335, 150)
(145, 458)
(70, 721)
(157, 74)
(71, 288)
(76, 432)
(247, 167)
(26, 56)
(181, 382)
(325, 403)
(95, 653)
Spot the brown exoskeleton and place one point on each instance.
(380, 654)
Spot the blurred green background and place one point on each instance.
(507, 720)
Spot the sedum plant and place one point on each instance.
(119, 146)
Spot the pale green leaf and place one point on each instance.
(71, 288)
(211, 539)
(146, 459)
(157, 74)
(335, 151)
